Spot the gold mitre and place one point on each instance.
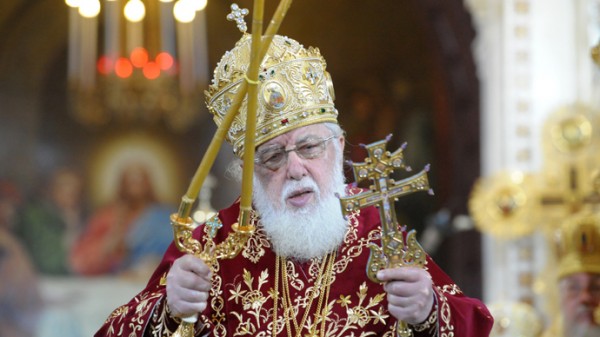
(578, 245)
(294, 90)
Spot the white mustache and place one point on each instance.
(294, 186)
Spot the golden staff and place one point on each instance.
(181, 221)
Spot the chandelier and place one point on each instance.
(134, 61)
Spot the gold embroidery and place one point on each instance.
(144, 302)
(446, 329)
(360, 309)
(321, 289)
(361, 314)
(256, 244)
(117, 315)
(160, 319)
(451, 289)
(120, 311)
(253, 301)
(217, 303)
(430, 323)
(345, 315)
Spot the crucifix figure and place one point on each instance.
(395, 250)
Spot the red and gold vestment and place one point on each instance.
(246, 288)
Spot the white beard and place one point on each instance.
(580, 330)
(308, 232)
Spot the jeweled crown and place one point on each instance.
(578, 245)
(294, 90)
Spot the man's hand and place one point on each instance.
(188, 283)
(409, 293)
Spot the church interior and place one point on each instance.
(476, 89)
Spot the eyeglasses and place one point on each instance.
(574, 287)
(276, 156)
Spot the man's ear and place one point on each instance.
(342, 141)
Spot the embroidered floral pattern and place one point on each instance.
(243, 305)
(253, 298)
(255, 247)
(144, 303)
(347, 315)
(359, 314)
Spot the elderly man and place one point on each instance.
(302, 272)
(579, 278)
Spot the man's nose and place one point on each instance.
(295, 166)
(585, 295)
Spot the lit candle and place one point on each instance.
(74, 43)
(112, 23)
(201, 71)
(89, 31)
(167, 28)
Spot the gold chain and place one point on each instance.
(276, 298)
(322, 283)
(288, 301)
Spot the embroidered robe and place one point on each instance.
(243, 293)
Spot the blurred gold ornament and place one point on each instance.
(578, 244)
(514, 319)
(571, 130)
(595, 53)
(501, 204)
(570, 174)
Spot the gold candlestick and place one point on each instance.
(215, 145)
(181, 222)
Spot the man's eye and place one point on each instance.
(308, 147)
(272, 157)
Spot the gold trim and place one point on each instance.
(322, 286)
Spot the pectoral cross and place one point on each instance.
(394, 250)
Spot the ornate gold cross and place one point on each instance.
(394, 250)
(378, 167)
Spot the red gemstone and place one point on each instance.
(284, 121)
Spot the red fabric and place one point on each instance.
(101, 248)
(242, 306)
